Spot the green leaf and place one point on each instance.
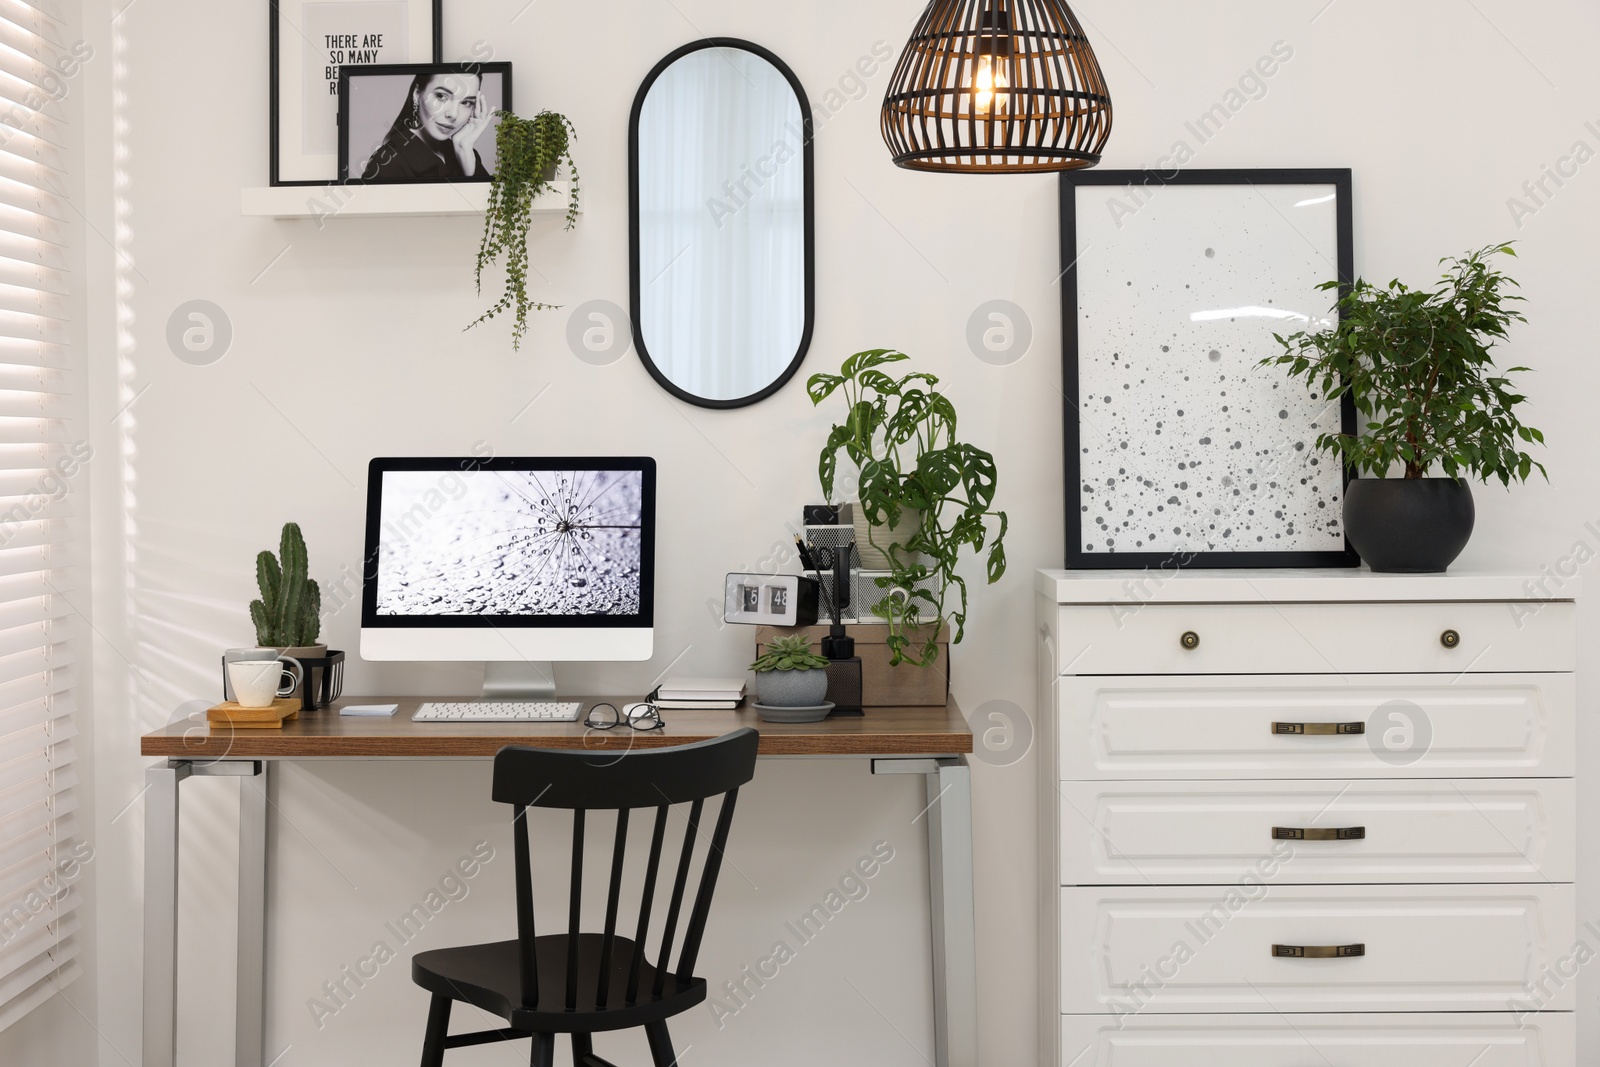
(821, 386)
(875, 357)
(938, 472)
(828, 461)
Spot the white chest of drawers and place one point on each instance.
(1306, 817)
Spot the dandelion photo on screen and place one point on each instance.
(507, 542)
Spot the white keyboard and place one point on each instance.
(499, 711)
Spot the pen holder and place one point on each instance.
(324, 681)
(844, 686)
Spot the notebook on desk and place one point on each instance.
(709, 693)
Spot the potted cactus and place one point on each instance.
(791, 676)
(287, 617)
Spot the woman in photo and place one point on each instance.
(434, 134)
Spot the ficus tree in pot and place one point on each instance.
(1419, 366)
(901, 435)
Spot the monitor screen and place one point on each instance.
(507, 542)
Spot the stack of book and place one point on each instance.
(711, 693)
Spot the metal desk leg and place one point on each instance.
(955, 953)
(161, 912)
(249, 1016)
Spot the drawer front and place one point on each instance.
(1212, 948)
(1361, 830)
(1370, 1040)
(1316, 638)
(1412, 726)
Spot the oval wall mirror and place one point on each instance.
(720, 193)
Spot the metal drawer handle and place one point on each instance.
(1190, 640)
(1450, 639)
(1319, 729)
(1318, 952)
(1335, 833)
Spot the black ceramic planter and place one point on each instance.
(1408, 525)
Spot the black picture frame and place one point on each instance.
(810, 224)
(381, 70)
(274, 45)
(376, 468)
(1150, 182)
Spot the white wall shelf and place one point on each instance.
(383, 201)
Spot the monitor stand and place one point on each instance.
(519, 680)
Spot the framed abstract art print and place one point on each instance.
(1181, 450)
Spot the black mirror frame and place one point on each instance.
(633, 223)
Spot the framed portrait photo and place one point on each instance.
(1181, 450)
(311, 42)
(410, 123)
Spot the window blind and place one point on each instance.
(41, 853)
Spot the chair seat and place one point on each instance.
(487, 976)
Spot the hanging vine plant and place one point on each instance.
(528, 151)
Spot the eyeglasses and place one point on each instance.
(647, 717)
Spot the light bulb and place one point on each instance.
(987, 81)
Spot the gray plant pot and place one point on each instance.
(792, 689)
(1408, 525)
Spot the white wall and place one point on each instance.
(348, 344)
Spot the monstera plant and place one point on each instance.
(928, 496)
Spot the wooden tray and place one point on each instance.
(271, 717)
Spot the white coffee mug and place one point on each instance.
(260, 675)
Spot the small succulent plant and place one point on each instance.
(789, 654)
(287, 615)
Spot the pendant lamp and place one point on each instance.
(997, 87)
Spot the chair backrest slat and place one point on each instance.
(679, 883)
(574, 909)
(652, 867)
(527, 960)
(708, 886)
(576, 781)
(613, 899)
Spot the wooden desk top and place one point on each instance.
(924, 731)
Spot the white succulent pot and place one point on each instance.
(877, 558)
(792, 689)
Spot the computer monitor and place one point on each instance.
(517, 562)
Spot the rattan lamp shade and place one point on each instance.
(997, 86)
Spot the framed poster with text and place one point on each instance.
(310, 41)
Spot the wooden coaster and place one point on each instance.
(271, 717)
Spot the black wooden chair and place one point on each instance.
(584, 983)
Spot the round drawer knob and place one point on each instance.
(1190, 640)
(1449, 639)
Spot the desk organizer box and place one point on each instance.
(865, 593)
